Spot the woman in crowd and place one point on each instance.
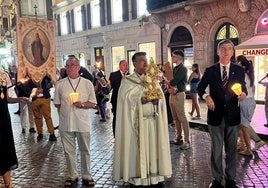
(8, 157)
(193, 80)
(102, 94)
(247, 106)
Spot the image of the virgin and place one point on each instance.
(36, 47)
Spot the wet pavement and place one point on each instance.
(42, 164)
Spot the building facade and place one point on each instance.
(193, 26)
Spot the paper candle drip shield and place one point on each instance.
(74, 97)
(237, 89)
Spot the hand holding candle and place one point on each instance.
(237, 89)
(74, 97)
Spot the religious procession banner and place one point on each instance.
(36, 49)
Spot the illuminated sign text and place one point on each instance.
(255, 52)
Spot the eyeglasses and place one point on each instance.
(71, 65)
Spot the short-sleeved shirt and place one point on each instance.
(71, 118)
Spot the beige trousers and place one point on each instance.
(176, 103)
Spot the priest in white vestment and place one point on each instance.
(142, 151)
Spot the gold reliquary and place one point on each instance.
(153, 91)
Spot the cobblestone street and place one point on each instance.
(42, 164)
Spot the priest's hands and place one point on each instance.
(144, 100)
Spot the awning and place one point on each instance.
(258, 41)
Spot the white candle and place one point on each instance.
(74, 97)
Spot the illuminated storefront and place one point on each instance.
(256, 50)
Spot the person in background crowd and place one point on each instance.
(25, 108)
(193, 80)
(265, 84)
(8, 157)
(74, 116)
(101, 95)
(177, 88)
(141, 154)
(223, 116)
(62, 74)
(13, 76)
(83, 72)
(164, 87)
(247, 106)
(115, 82)
(41, 106)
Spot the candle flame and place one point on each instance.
(23, 80)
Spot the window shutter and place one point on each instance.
(134, 9)
(125, 10)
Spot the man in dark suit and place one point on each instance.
(223, 112)
(115, 81)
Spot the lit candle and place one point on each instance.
(74, 97)
(237, 89)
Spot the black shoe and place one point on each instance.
(18, 112)
(159, 185)
(177, 142)
(23, 131)
(215, 184)
(40, 137)
(55, 128)
(52, 137)
(230, 184)
(31, 130)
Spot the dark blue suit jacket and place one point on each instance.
(226, 102)
(115, 80)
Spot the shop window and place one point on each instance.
(150, 49)
(99, 58)
(118, 54)
(130, 53)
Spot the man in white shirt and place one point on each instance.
(74, 96)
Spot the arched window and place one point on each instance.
(225, 31)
